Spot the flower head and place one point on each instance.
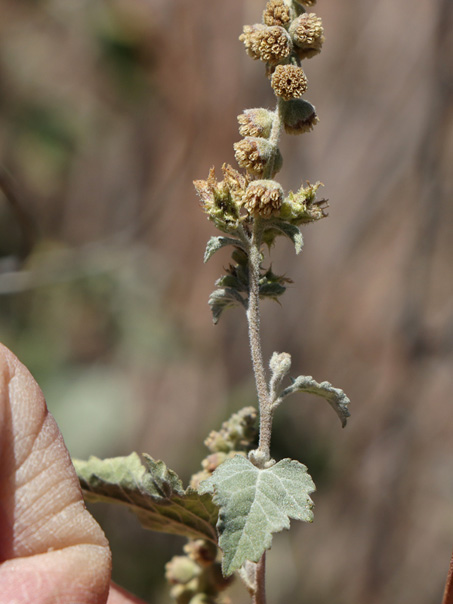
(256, 154)
(276, 13)
(307, 34)
(255, 122)
(302, 207)
(289, 82)
(222, 201)
(263, 197)
(298, 116)
(270, 44)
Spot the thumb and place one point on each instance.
(51, 548)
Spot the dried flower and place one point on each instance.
(263, 197)
(256, 154)
(270, 44)
(256, 122)
(307, 34)
(303, 207)
(274, 44)
(276, 13)
(250, 38)
(289, 81)
(222, 201)
(298, 116)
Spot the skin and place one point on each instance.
(52, 551)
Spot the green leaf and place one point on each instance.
(254, 504)
(223, 298)
(291, 231)
(216, 243)
(150, 490)
(271, 290)
(336, 398)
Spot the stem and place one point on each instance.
(448, 593)
(253, 319)
(259, 596)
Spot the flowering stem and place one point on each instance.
(253, 319)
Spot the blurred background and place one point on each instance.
(108, 111)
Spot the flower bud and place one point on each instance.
(276, 13)
(298, 116)
(201, 551)
(256, 122)
(280, 364)
(255, 154)
(181, 569)
(263, 197)
(289, 82)
(307, 34)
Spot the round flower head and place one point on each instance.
(273, 44)
(250, 39)
(276, 13)
(307, 34)
(255, 122)
(289, 82)
(298, 116)
(256, 154)
(263, 197)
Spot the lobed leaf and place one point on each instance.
(336, 398)
(256, 503)
(152, 491)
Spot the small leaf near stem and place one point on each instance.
(336, 398)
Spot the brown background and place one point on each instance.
(108, 111)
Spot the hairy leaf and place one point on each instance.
(152, 491)
(216, 243)
(223, 298)
(254, 504)
(289, 230)
(336, 398)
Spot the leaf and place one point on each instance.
(256, 503)
(336, 398)
(150, 490)
(222, 298)
(271, 290)
(291, 231)
(216, 243)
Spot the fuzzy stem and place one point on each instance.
(448, 593)
(259, 596)
(253, 319)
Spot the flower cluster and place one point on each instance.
(251, 206)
